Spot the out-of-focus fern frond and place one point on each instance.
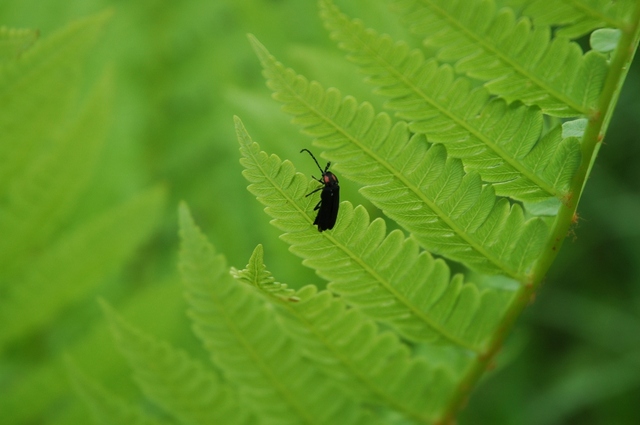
(107, 408)
(176, 382)
(38, 90)
(77, 263)
(44, 193)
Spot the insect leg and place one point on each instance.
(314, 191)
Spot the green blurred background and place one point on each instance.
(180, 71)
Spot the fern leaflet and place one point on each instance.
(256, 274)
(39, 89)
(57, 278)
(239, 328)
(449, 212)
(497, 140)
(517, 62)
(176, 382)
(386, 276)
(373, 365)
(44, 184)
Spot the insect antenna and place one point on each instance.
(314, 158)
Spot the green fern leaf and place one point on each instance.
(41, 195)
(490, 137)
(373, 365)
(449, 212)
(38, 389)
(256, 274)
(39, 90)
(58, 278)
(107, 409)
(383, 275)
(577, 18)
(15, 41)
(239, 328)
(174, 381)
(517, 62)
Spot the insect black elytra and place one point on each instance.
(329, 198)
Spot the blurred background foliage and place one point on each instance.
(179, 71)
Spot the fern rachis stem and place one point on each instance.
(596, 126)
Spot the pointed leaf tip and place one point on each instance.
(183, 211)
(261, 51)
(241, 133)
(257, 256)
(185, 220)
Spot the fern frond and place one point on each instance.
(576, 18)
(176, 382)
(106, 408)
(58, 278)
(449, 212)
(40, 196)
(492, 138)
(386, 276)
(517, 61)
(14, 41)
(39, 89)
(256, 274)
(239, 328)
(373, 365)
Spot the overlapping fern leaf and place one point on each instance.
(179, 384)
(384, 275)
(372, 365)
(577, 18)
(499, 141)
(517, 61)
(450, 212)
(245, 340)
